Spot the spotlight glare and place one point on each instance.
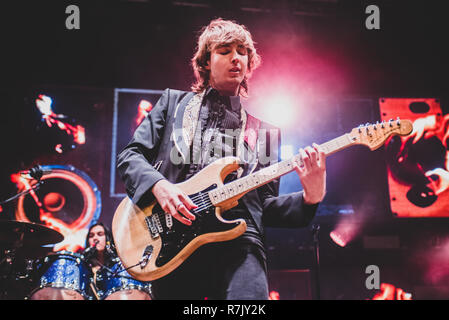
(338, 239)
(286, 152)
(280, 110)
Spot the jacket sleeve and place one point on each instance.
(287, 210)
(134, 161)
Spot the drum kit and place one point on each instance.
(30, 270)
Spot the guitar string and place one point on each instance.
(202, 206)
(204, 201)
(232, 184)
(280, 165)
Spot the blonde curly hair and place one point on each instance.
(217, 33)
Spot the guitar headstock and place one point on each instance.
(375, 135)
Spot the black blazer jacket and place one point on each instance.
(154, 146)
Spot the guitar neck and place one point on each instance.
(239, 187)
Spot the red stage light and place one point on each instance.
(345, 231)
(142, 111)
(44, 105)
(390, 292)
(77, 131)
(274, 295)
(338, 238)
(80, 135)
(58, 148)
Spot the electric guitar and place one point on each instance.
(151, 244)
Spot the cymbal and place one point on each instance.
(20, 234)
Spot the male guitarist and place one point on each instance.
(184, 133)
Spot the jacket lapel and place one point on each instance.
(185, 123)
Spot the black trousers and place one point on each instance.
(217, 271)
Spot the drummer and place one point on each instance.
(104, 255)
(108, 282)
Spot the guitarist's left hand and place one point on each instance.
(312, 173)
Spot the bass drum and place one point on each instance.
(117, 284)
(62, 275)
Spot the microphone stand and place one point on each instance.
(33, 188)
(36, 173)
(316, 245)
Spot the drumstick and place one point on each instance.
(93, 287)
(94, 291)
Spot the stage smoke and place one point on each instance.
(437, 261)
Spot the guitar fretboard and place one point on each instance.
(268, 174)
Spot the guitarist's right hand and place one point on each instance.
(173, 201)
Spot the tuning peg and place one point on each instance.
(375, 125)
(383, 124)
(367, 129)
(398, 122)
(390, 122)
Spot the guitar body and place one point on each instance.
(151, 249)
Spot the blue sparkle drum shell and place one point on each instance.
(62, 276)
(118, 284)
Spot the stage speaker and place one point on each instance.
(289, 284)
(417, 165)
(68, 201)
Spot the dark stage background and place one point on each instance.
(318, 53)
